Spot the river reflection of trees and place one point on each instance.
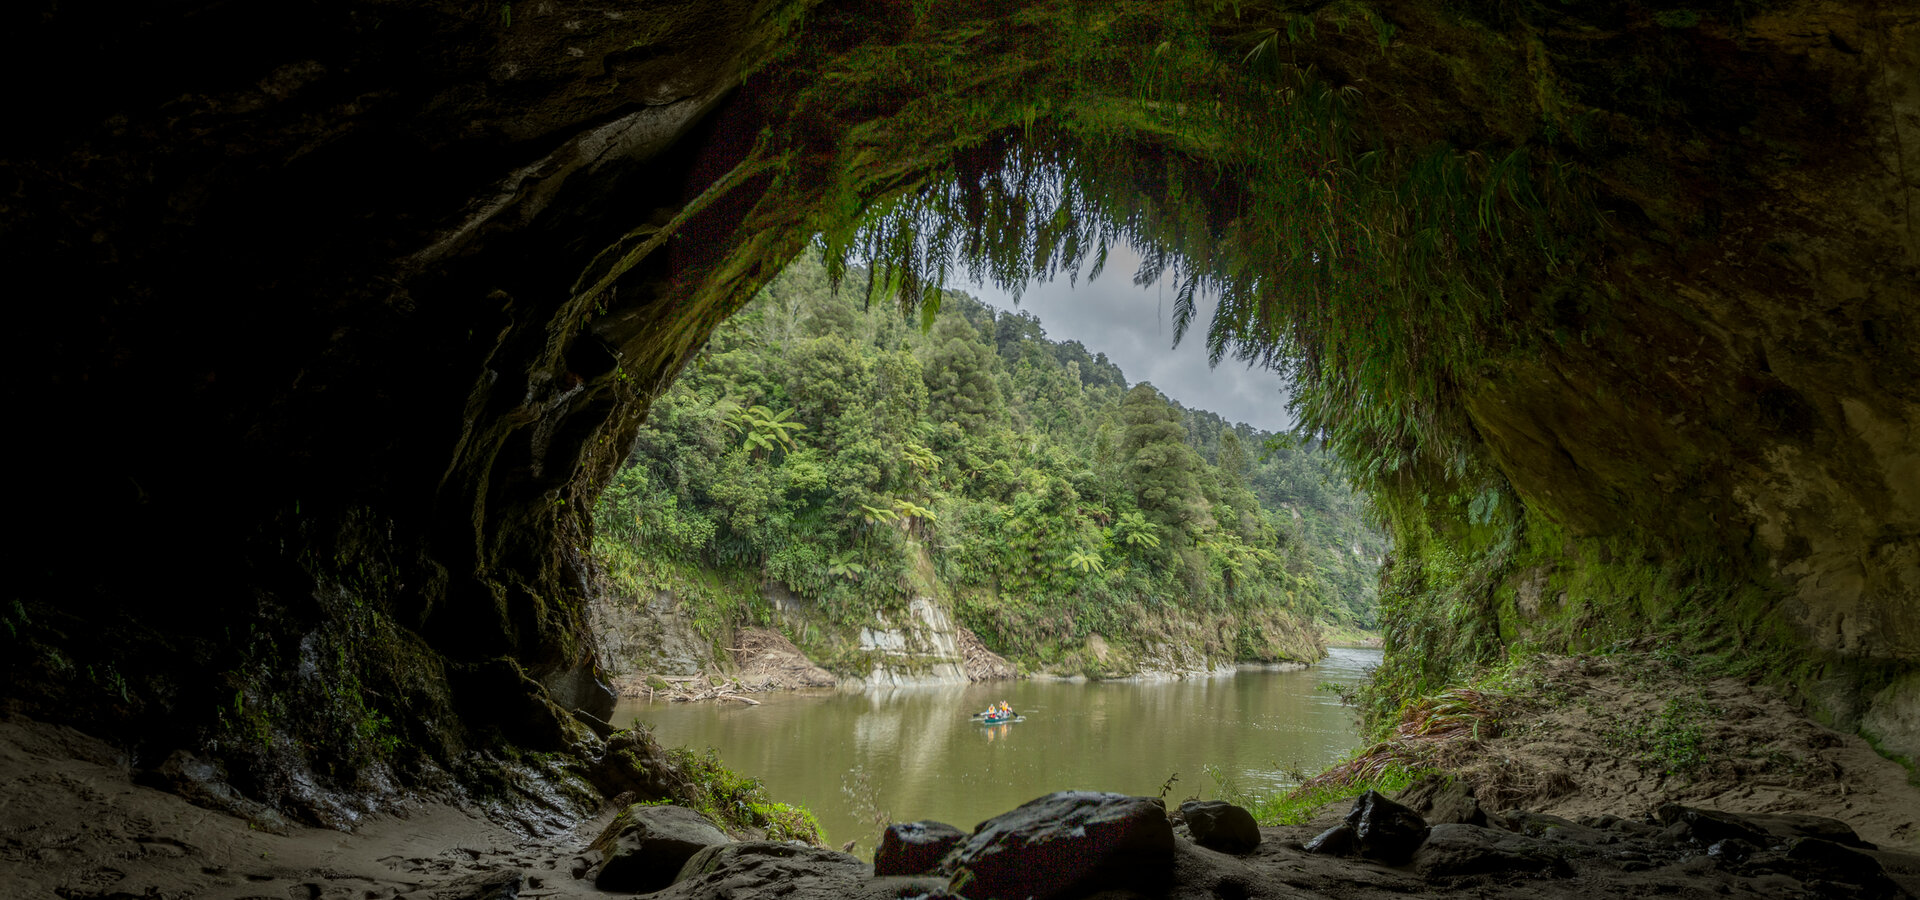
(916, 753)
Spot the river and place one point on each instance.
(912, 753)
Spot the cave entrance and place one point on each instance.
(862, 464)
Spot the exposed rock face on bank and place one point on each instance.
(642, 637)
(656, 639)
(919, 647)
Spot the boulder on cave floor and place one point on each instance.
(914, 848)
(1384, 830)
(1219, 825)
(772, 870)
(1441, 800)
(645, 847)
(1065, 844)
(1707, 826)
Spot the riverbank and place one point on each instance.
(1624, 734)
(663, 647)
(1582, 739)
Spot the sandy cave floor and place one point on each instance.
(73, 824)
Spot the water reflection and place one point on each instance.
(916, 753)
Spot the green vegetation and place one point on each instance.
(1410, 275)
(861, 461)
(1670, 742)
(739, 803)
(1299, 806)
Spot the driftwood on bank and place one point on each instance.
(690, 690)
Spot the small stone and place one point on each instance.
(914, 848)
(1732, 850)
(1384, 830)
(1219, 825)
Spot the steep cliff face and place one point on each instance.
(329, 317)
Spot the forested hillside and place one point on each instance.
(861, 461)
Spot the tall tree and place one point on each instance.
(1159, 466)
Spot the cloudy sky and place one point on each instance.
(1133, 326)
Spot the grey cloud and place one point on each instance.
(1133, 325)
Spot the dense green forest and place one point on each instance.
(861, 459)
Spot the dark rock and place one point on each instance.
(1066, 843)
(754, 869)
(1336, 841)
(1831, 870)
(1613, 823)
(914, 848)
(1555, 828)
(1707, 827)
(1829, 855)
(1455, 850)
(204, 783)
(583, 863)
(646, 846)
(1384, 830)
(501, 690)
(1440, 800)
(633, 762)
(1786, 825)
(1732, 850)
(601, 728)
(581, 691)
(1218, 825)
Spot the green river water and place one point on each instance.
(912, 753)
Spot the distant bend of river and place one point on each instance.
(913, 753)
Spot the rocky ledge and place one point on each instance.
(1078, 844)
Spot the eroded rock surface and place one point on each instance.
(1065, 844)
(914, 848)
(1222, 826)
(644, 847)
(1384, 830)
